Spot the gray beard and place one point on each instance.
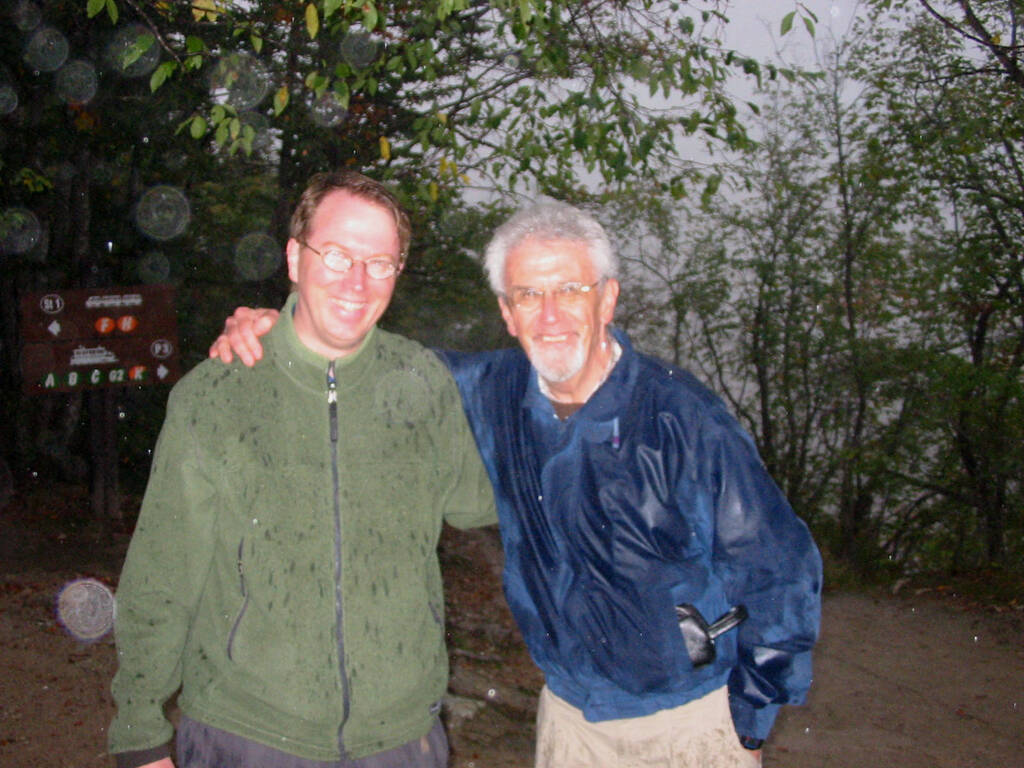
(564, 369)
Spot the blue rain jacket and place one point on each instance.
(649, 496)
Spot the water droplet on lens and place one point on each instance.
(86, 608)
(163, 213)
(76, 82)
(512, 60)
(257, 256)
(154, 267)
(327, 111)
(238, 80)
(19, 230)
(47, 50)
(26, 16)
(8, 99)
(358, 49)
(133, 51)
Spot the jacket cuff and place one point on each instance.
(749, 721)
(138, 757)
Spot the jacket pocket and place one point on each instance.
(245, 601)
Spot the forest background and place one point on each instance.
(851, 281)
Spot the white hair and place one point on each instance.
(549, 220)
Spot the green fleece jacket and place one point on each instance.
(288, 582)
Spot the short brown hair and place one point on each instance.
(371, 190)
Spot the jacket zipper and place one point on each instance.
(245, 600)
(332, 413)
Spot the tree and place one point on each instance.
(540, 92)
(955, 118)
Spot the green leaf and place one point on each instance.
(221, 135)
(317, 83)
(370, 16)
(525, 10)
(787, 22)
(94, 6)
(257, 42)
(330, 6)
(142, 44)
(198, 127)
(112, 11)
(280, 100)
(809, 24)
(160, 75)
(341, 93)
(312, 21)
(710, 189)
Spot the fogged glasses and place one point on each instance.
(566, 294)
(339, 260)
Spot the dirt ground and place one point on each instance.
(919, 680)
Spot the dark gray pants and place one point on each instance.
(202, 746)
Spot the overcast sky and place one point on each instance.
(754, 24)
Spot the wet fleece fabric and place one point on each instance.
(289, 582)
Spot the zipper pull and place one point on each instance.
(332, 401)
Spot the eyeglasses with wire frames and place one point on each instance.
(339, 260)
(567, 294)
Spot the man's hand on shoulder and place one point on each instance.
(162, 763)
(241, 336)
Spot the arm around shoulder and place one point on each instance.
(241, 335)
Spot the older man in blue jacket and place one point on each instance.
(634, 513)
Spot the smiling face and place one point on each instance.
(336, 310)
(563, 338)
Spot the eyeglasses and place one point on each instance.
(566, 294)
(339, 260)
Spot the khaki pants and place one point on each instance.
(699, 734)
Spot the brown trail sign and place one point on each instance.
(97, 339)
(101, 337)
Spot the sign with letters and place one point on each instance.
(102, 337)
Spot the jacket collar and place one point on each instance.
(309, 369)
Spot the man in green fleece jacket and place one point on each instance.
(283, 572)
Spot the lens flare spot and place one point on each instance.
(358, 49)
(47, 50)
(257, 256)
(19, 230)
(163, 213)
(86, 609)
(154, 267)
(26, 16)
(76, 82)
(239, 81)
(133, 51)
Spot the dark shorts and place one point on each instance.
(202, 746)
